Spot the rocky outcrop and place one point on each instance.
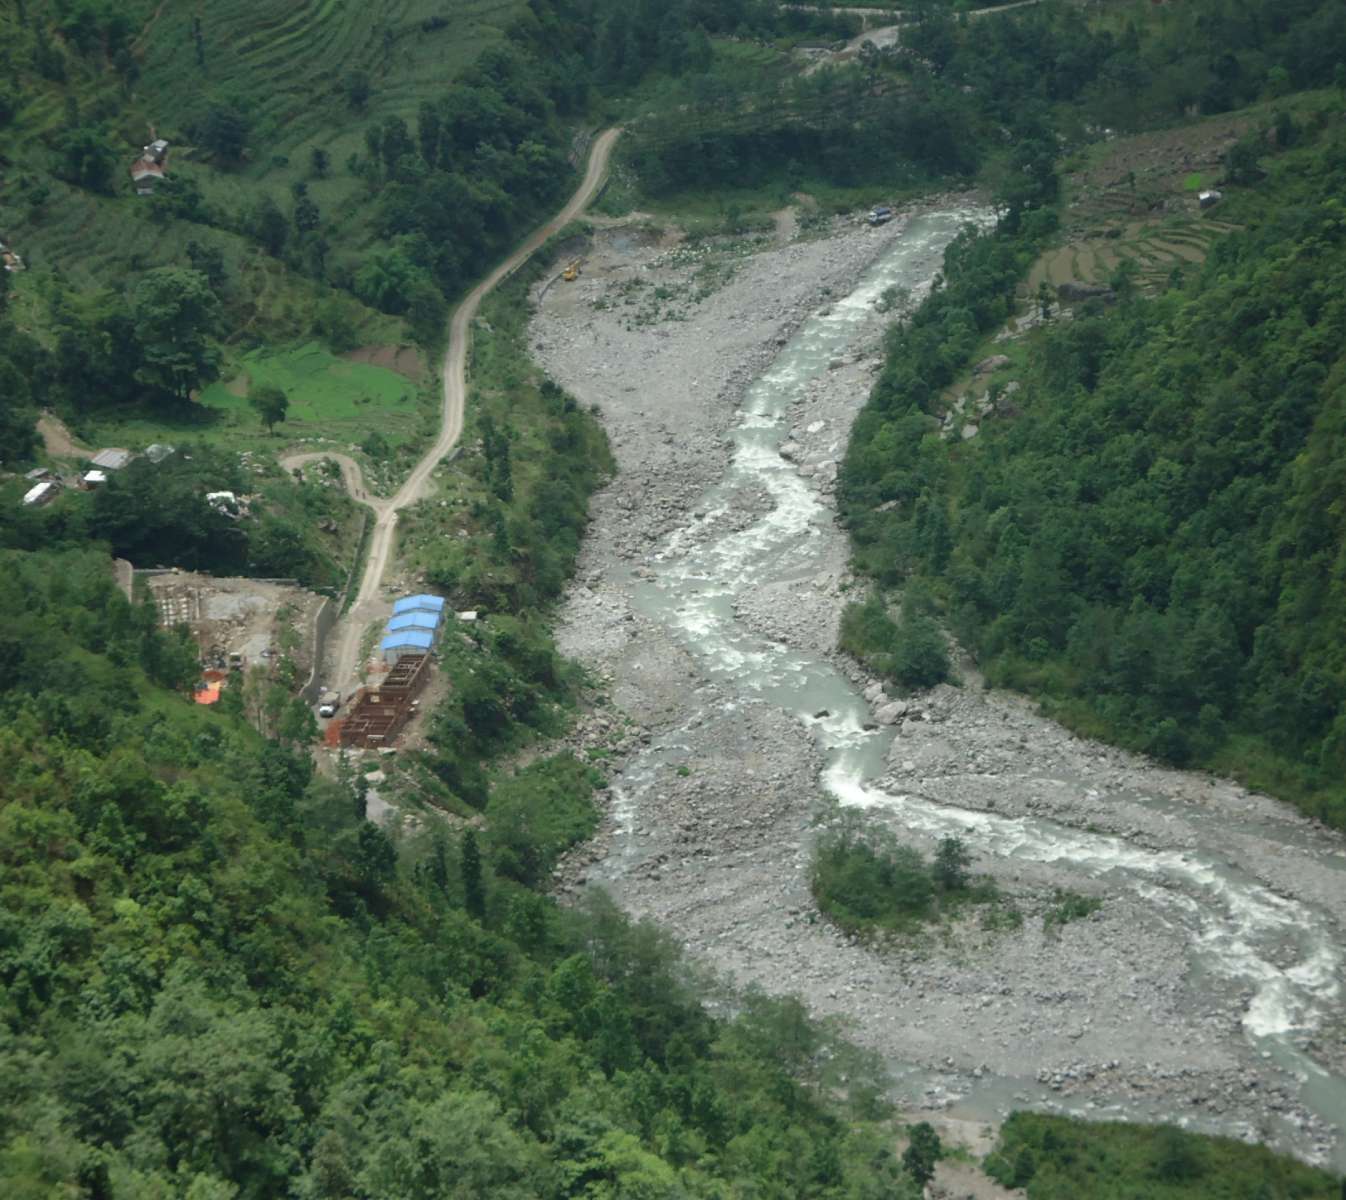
(1074, 292)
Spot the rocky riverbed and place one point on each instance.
(717, 787)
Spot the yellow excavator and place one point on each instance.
(572, 271)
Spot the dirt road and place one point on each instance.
(345, 664)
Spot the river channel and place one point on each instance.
(1276, 953)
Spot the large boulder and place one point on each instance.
(890, 714)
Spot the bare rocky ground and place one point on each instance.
(715, 796)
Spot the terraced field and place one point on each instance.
(288, 62)
(1135, 199)
(1155, 246)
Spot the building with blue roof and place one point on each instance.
(406, 641)
(434, 604)
(414, 620)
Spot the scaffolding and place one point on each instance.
(376, 715)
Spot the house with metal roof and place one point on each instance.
(111, 459)
(404, 642)
(434, 604)
(41, 493)
(413, 620)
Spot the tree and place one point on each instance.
(923, 1152)
(175, 311)
(474, 892)
(356, 87)
(306, 214)
(268, 225)
(952, 859)
(223, 130)
(319, 162)
(87, 160)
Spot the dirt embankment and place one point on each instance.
(716, 794)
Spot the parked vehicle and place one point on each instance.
(329, 703)
(881, 215)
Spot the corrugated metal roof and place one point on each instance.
(425, 603)
(414, 620)
(420, 638)
(111, 459)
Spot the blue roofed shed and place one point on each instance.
(414, 620)
(406, 641)
(434, 604)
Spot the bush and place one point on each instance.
(910, 652)
(865, 880)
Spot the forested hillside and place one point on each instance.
(1147, 534)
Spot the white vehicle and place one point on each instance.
(328, 705)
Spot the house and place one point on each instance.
(92, 479)
(37, 474)
(111, 459)
(156, 151)
(146, 175)
(10, 260)
(40, 494)
(1209, 199)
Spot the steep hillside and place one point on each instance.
(1146, 531)
(218, 980)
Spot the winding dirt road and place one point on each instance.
(345, 662)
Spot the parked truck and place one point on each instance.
(328, 704)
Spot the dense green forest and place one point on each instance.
(1151, 539)
(218, 979)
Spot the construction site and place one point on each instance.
(378, 712)
(241, 623)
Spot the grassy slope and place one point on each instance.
(285, 65)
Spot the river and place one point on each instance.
(1275, 955)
